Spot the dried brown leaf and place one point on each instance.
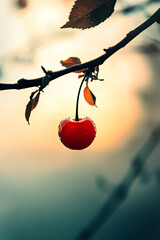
(35, 100)
(81, 75)
(28, 110)
(31, 105)
(90, 13)
(89, 96)
(70, 62)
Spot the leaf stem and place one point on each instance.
(77, 103)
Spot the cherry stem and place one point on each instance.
(77, 103)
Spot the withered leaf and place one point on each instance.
(81, 75)
(70, 62)
(90, 13)
(35, 100)
(31, 105)
(89, 96)
(28, 110)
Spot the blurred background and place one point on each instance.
(46, 190)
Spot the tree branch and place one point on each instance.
(25, 83)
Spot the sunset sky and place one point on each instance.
(32, 158)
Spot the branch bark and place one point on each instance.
(25, 83)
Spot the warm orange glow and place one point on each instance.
(118, 109)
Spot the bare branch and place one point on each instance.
(25, 83)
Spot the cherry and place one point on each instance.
(77, 135)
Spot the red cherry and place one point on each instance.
(77, 134)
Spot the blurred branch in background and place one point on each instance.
(152, 46)
(136, 7)
(119, 195)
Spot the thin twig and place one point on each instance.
(25, 83)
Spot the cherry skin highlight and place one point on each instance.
(77, 135)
